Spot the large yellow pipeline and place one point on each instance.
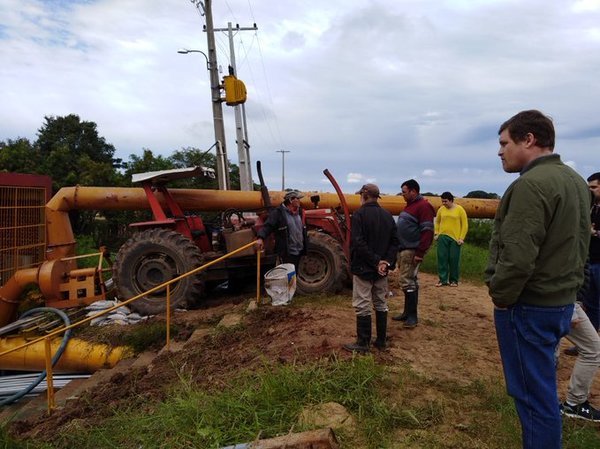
(61, 241)
(79, 356)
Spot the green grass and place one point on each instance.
(473, 260)
(394, 407)
(139, 337)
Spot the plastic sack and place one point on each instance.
(280, 283)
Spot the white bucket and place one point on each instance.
(280, 283)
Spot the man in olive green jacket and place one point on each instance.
(537, 254)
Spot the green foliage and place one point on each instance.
(145, 163)
(72, 152)
(19, 156)
(151, 336)
(148, 336)
(86, 245)
(482, 194)
(480, 232)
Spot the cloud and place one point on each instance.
(372, 89)
(354, 178)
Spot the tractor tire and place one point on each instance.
(324, 269)
(153, 257)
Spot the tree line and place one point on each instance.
(71, 152)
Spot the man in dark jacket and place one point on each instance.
(537, 253)
(373, 248)
(591, 301)
(288, 223)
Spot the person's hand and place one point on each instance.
(418, 259)
(382, 268)
(259, 244)
(435, 237)
(460, 241)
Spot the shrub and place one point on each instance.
(480, 232)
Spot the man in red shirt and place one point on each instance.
(415, 234)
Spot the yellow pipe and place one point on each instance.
(61, 241)
(10, 292)
(79, 356)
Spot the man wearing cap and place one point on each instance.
(415, 234)
(288, 223)
(373, 248)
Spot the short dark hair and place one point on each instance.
(447, 196)
(534, 122)
(594, 177)
(412, 185)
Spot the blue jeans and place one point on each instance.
(527, 338)
(591, 300)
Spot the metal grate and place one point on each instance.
(22, 228)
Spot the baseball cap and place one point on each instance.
(371, 189)
(292, 195)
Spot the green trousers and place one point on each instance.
(448, 259)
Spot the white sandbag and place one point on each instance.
(280, 283)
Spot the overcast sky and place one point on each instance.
(375, 91)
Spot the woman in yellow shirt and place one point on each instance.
(451, 228)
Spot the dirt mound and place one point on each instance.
(454, 341)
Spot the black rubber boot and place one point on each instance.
(381, 325)
(412, 301)
(403, 315)
(363, 335)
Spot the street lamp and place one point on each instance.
(222, 163)
(185, 51)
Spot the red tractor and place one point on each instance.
(176, 242)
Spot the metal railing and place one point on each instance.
(167, 285)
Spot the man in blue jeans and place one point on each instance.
(538, 251)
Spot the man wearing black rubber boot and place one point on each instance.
(415, 234)
(373, 248)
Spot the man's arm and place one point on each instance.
(522, 231)
(425, 217)
(268, 227)
(464, 225)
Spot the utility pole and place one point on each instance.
(282, 167)
(222, 162)
(240, 126)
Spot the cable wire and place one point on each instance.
(18, 395)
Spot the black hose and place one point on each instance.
(55, 359)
